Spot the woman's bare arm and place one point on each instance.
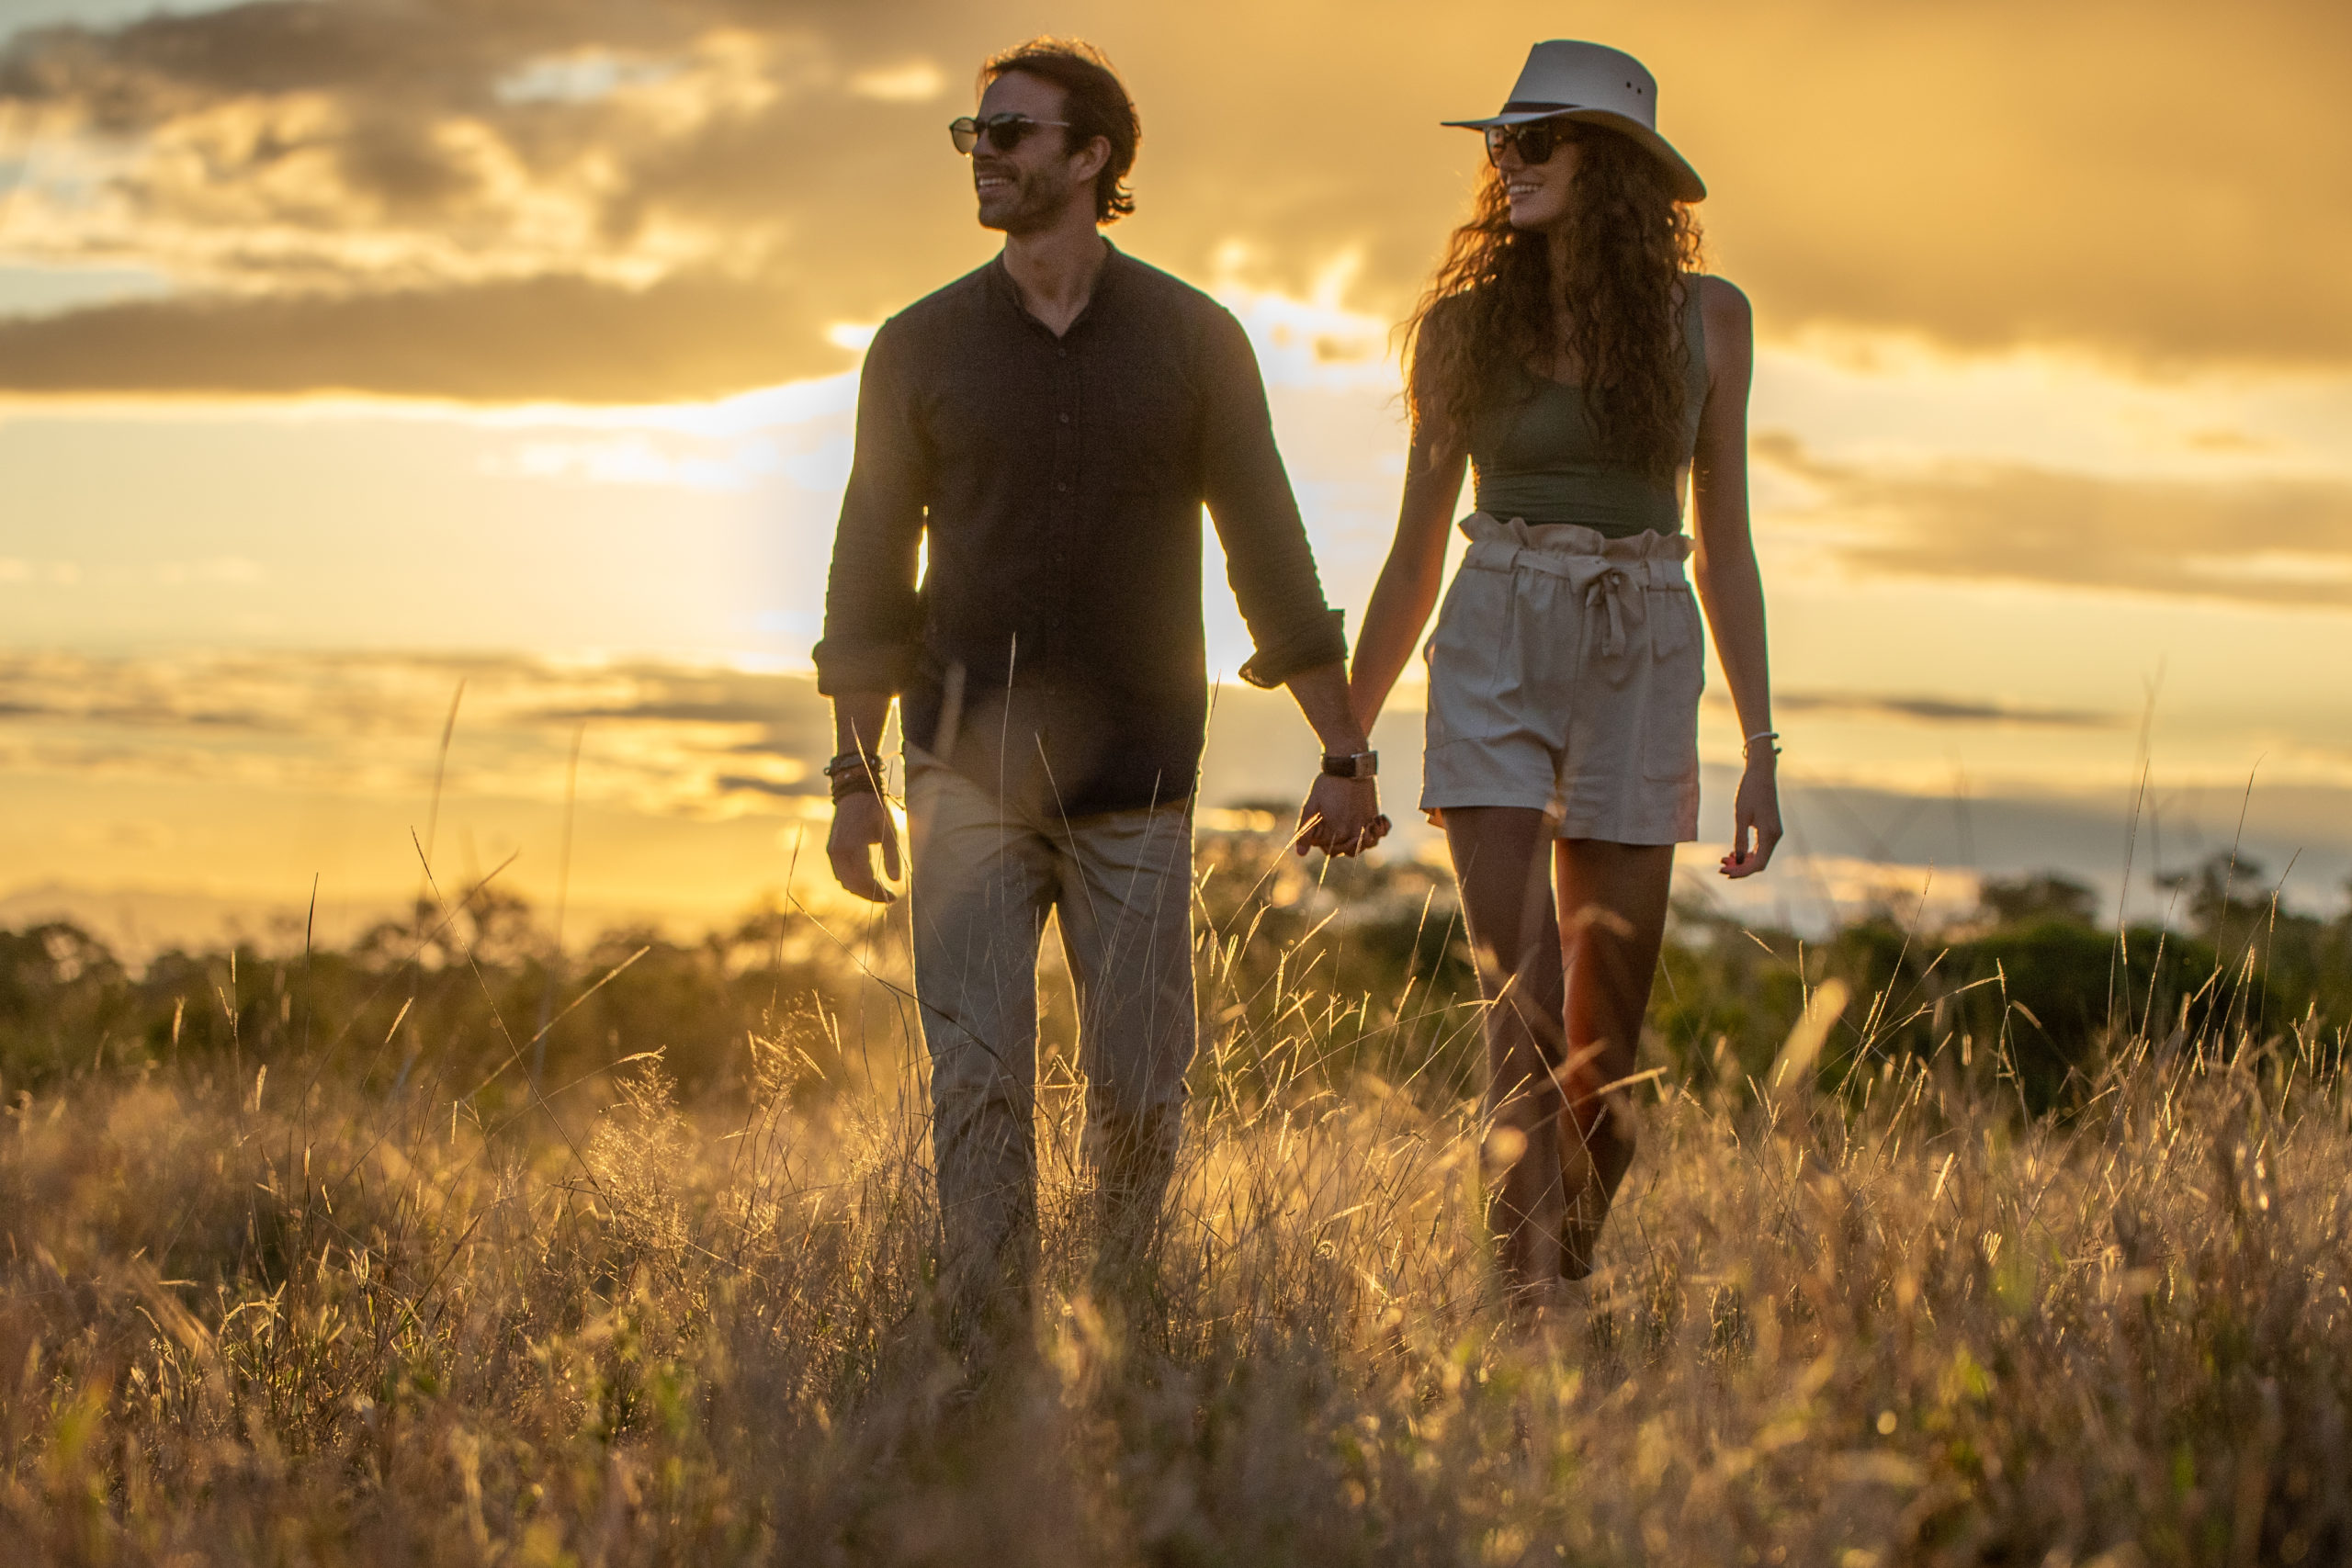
(1405, 594)
(1725, 565)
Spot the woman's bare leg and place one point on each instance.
(1612, 904)
(1501, 856)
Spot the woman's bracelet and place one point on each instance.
(854, 773)
(1771, 735)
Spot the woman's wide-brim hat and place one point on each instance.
(1565, 79)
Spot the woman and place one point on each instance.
(1571, 352)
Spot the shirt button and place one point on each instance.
(1064, 488)
(1065, 419)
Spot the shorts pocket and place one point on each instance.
(1466, 654)
(1674, 622)
(1677, 675)
(1473, 618)
(1434, 730)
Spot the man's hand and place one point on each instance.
(1341, 816)
(860, 822)
(1756, 816)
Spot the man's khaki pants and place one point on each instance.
(985, 874)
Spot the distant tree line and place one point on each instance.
(2033, 988)
(475, 1001)
(1365, 960)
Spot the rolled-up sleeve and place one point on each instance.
(1268, 560)
(873, 610)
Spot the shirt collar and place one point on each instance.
(1114, 262)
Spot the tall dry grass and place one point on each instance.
(258, 1316)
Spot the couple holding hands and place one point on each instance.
(1052, 426)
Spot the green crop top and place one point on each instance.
(1533, 454)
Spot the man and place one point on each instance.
(1053, 424)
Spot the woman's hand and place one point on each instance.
(1756, 818)
(1341, 817)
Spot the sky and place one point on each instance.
(350, 349)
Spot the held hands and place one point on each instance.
(860, 823)
(1755, 817)
(1341, 817)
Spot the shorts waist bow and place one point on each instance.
(1612, 576)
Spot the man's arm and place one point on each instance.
(1267, 559)
(873, 614)
(1297, 636)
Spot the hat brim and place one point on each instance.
(1688, 185)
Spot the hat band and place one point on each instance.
(1523, 106)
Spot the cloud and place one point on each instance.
(916, 82)
(219, 571)
(546, 337)
(665, 739)
(61, 573)
(1941, 710)
(681, 199)
(775, 714)
(749, 784)
(2274, 541)
(495, 202)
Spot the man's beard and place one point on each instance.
(1034, 203)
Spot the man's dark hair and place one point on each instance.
(1095, 103)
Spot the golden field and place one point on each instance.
(302, 1267)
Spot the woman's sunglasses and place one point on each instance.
(1536, 139)
(1004, 131)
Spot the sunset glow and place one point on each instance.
(348, 352)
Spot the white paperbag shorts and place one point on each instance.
(1564, 676)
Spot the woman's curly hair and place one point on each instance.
(1631, 251)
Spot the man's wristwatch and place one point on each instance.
(1352, 765)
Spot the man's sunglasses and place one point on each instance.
(1004, 131)
(1536, 139)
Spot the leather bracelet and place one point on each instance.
(1352, 765)
(854, 773)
